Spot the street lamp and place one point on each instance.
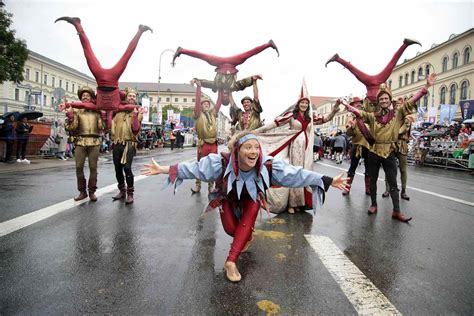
(159, 77)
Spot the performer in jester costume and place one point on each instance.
(108, 92)
(225, 80)
(373, 83)
(243, 176)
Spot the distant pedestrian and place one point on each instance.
(9, 137)
(23, 130)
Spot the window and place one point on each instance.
(412, 76)
(37, 99)
(406, 79)
(185, 100)
(427, 70)
(67, 86)
(167, 99)
(455, 60)
(27, 97)
(27, 74)
(193, 100)
(452, 94)
(425, 101)
(420, 72)
(445, 64)
(467, 55)
(17, 94)
(60, 83)
(37, 74)
(45, 79)
(52, 101)
(44, 100)
(400, 80)
(442, 96)
(73, 87)
(53, 82)
(175, 99)
(151, 99)
(464, 90)
(159, 99)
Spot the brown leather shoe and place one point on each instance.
(386, 194)
(121, 195)
(399, 216)
(372, 209)
(130, 199)
(82, 195)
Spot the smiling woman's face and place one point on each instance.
(248, 154)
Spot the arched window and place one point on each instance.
(427, 70)
(390, 84)
(406, 79)
(452, 94)
(425, 101)
(400, 81)
(455, 60)
(420, 72)
(412, 76)
(467, 55)
(442, 96)
(464, 86)
(445, 64)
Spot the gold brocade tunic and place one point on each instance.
(249, 120)
(386, 135)
(403, 136)
(86, 127)
(206, 127)
(121, 131)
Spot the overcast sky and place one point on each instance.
(307, 33)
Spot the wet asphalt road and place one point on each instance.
(160, 256)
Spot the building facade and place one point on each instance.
(46, 83)
(452, 61)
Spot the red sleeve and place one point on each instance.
(197, 105)
(135, 123)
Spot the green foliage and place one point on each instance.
(13, 52)
(169, 107)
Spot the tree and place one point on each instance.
(13, 52)
(169, 107)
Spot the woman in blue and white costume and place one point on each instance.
(242, 178)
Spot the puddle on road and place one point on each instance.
(276, 221)
(280, 256)
(269, 307)
(271, 234)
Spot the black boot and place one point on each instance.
(404, 195)
(333, 58)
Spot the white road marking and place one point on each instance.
(442, 196)
(359, 290)
(44, 213)
(39, 215)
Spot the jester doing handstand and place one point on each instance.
(108, 93)
(373, 83)
(225, 80)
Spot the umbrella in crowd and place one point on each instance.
(7, 114)
(30, 115)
